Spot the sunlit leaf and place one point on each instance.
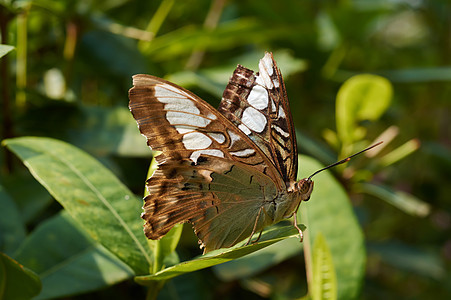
(221, 255)
(362, 97)
(91, 194)
(258, 261)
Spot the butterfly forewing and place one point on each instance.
(210, 173)
(258, 105)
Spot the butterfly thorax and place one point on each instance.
(289, 202)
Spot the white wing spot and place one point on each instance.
(267, 61)
(281, 131)
(213, 152)
(265, 73)
(243, 153)
(259, 81)
(244, 129)
(183, 118)
(273, 105)
(233, 136)
(218, 137)
(211, 116)
(281, 112)
(183, 130)
(179, 105)
(196, 140)
(168, 91)
(258, 97)
(254, 119)
(181, 110)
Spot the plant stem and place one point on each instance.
(7, 127)
(307, 250)
(70, 45)
(21, 60)
(155, 23)
(154, 289)
(211, 22)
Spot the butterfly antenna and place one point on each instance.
(344, 160)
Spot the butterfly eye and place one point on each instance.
(305, 188)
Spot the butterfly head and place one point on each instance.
(305, 188)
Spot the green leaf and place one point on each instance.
(324, 281)
(362, 97)
(16, 281)
(329, 211)
(165, 247)
(219, 256)
(12, 227)
(91, 194)
(67, 261)
(5, 49)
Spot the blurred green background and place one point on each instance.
(69, 72)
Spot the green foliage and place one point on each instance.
(362, 97)
(67, 260)
(386, 64)
(219, 256)
(102, 209)
(93, 196)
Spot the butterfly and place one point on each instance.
(230, 171)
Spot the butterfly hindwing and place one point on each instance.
(257, 104)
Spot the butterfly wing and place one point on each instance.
(210, 173)
(258, 105)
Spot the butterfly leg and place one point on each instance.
(259, 236)
(295, 224)
(255, 227)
